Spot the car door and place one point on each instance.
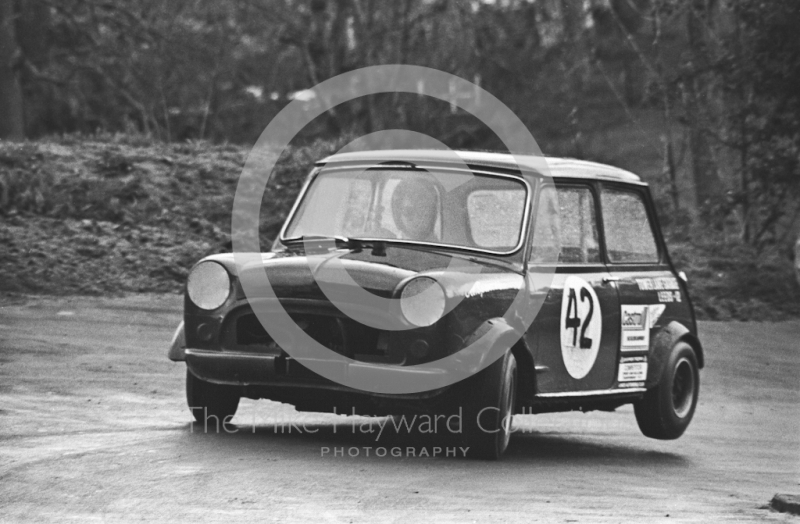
(575, 337)
(650, 294)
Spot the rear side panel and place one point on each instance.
(652, 296)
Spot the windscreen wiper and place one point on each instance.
(355, 245)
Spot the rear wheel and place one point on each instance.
(491, 404)
(666, 410)
(212, 405)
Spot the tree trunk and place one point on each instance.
(704, 168)
(571, 17)
(797, 259)
(669, 150)
(31, 27)
(11, 118)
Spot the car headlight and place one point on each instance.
(209, 285)
(422, 301)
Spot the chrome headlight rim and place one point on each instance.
(433, 305)
(203, 291)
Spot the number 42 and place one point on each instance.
(573, 321)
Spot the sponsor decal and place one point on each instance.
(632, 369)
(654, 312)
(658, 284)
(637, 321)
(625, 385)
(635, 328)
(626, 360)
(634, 317)
(669, 296)
(581, 326)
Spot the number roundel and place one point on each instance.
(581, 326)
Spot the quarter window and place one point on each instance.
(629, 236)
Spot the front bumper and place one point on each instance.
(249, 369)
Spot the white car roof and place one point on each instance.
(559, 167)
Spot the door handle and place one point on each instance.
(608, 280)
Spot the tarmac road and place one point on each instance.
(93, 427)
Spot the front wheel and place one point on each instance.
(212, 405)
(666, 410)
(491, 404)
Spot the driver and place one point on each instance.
(414, 208)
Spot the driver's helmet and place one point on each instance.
(414, 208)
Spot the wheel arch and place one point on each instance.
(526, 383)
(507, 335)
(662, 345)
(694, 342)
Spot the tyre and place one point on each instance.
(212, 405)
(487, 417)
(666, 410)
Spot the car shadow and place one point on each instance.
(578, 449)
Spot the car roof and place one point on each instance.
(559, 167)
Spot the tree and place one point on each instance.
(696, 98)
(12, 125)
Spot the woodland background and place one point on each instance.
(124, 123)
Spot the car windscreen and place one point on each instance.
(448, 208)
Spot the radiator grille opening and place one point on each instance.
(328, 331)
(250, 332)
(341, 335)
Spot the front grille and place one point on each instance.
(250, 332)
(243, 332)
(328, 331)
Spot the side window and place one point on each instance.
(571, 232)
(580, 243)
(629, 237)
